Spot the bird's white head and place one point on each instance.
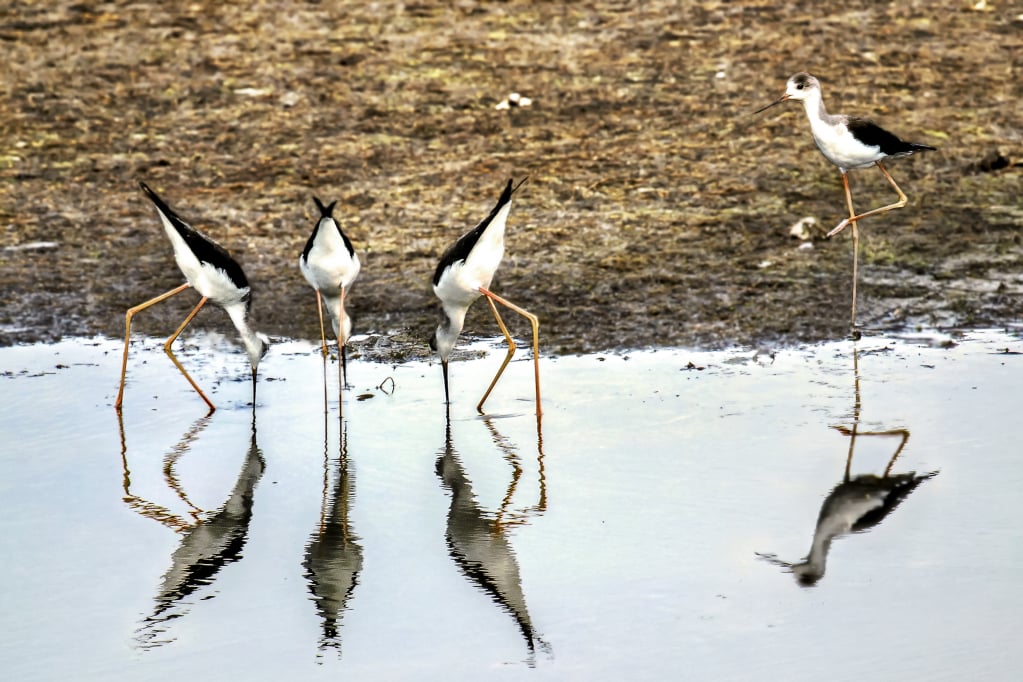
(344, 330)
(443, 341)
(800, 87)
(256, 345)
(445, 336)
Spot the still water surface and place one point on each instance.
(653, 527)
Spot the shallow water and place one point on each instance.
(646, 532)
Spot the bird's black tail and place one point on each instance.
(326, 211)
(161, 205)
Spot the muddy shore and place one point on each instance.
(657, 210)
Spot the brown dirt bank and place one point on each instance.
(657, 210)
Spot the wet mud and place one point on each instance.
(658, 208)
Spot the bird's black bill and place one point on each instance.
(783, 98)
(253, 387)
(447, 396)
(344, 366)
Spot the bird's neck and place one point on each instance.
(813, 105)
(253, 342)
(455, 318)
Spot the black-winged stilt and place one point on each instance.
(464, 274)
(849, 143)
(211, 271)
(330, 265)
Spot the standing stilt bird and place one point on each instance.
(849, 143)
(463, 275)
(210, 270)
(330, 265)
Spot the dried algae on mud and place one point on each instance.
(658, 207)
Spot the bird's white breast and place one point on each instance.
(455, 286)
(460, 283)
(329, 265)
(483, 261)
(841, 148)
(208, 280)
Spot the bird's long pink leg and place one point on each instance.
(174, 359)
(507, 358)
(323, 334)
(535, 324)
(856, 249)
(853, 218)
(127, 334)
(341, 346)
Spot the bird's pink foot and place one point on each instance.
(841, 226)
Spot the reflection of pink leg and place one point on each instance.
(903, 435)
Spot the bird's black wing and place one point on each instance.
(347, 241)
(873, 135)
(204, 248)
(460, 250)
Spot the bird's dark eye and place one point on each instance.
(799, 86)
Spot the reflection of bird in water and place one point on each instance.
(506, 516)
(155, 511)
(477, 543)
(855, 505)
(333, 558)
(464, 274)
(209, 268)
(858, 503)
(208, 543)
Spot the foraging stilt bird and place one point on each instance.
(210, 270)
(463, 274)
(849, 143)
(330, 265)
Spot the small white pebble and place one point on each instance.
(253, 92)
(803, 228)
